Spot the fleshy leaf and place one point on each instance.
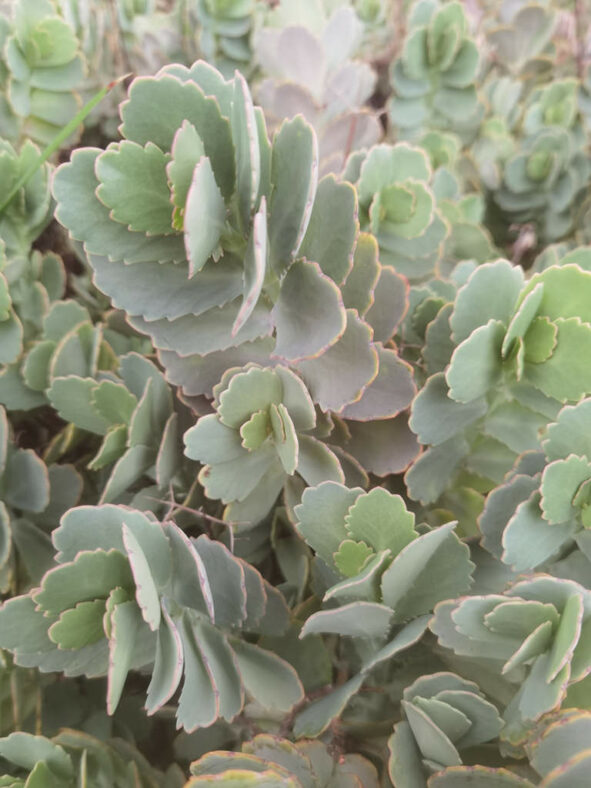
(309, 315)
(294, 176)
(133, 184)
(382, 520)
(475, 365)
(204, 216)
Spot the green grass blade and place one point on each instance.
(59, 139)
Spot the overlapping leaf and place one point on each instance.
(129, 592)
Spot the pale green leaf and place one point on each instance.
(294, 177)
(134, 186)
(321, 517)
(357, 619)
(309, 315)
(475, 365)
(491, 293)
(80, 626)
(125, 624)
(270, 680)
(560, 481)
(382, 520)
(204, 217)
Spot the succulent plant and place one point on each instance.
(133, 36)
(216, 278)
(309, 65)
(32, 498)
(132, 412)
(519, 35)
(229, 309)
(444, 715)
(129, 592)
(73, 757)
(504, 364)
(397, 205)
(433, 79)
(29, 211)
(386, 423)
(535, 635)
(277, 761)
(45, 69)
(531, 517)
(224, 33)
(560, 752)
(381, 577)
(546, 175)
(256, 439)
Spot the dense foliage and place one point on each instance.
(295, 394)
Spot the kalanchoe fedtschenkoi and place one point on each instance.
(219, 246)
(519, 35)
(549, 169)
(136, 37)
(309, 69)
(443, 715)
(535, 635)
(433, 79)
(256, 439)
(45, 69)
(129, 592)
(225, 251)
(530, 518)
(30, 285)
(276, 761)
(72, 757)
(133, 412)
(559, 750)
(32, 499)
(224, 32)
(382, 576)
(30, 210)
(397, 205)
(509, 352)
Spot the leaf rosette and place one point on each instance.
(532, 156)
(269, 761)
(219, 246)
(258, 438)
(381, 576)
(444, 716)
(508, 353)
(130, 593)
(433, 79)
(397, 205)
(45, 68)
(532, 518)
(32, 498)
(225, 32)
(543, 180)
(30, 210)
(133, 411)
(29, 286)
(535, 635)
(310, 69)
(73, 757)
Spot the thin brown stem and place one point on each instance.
(579, 13)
